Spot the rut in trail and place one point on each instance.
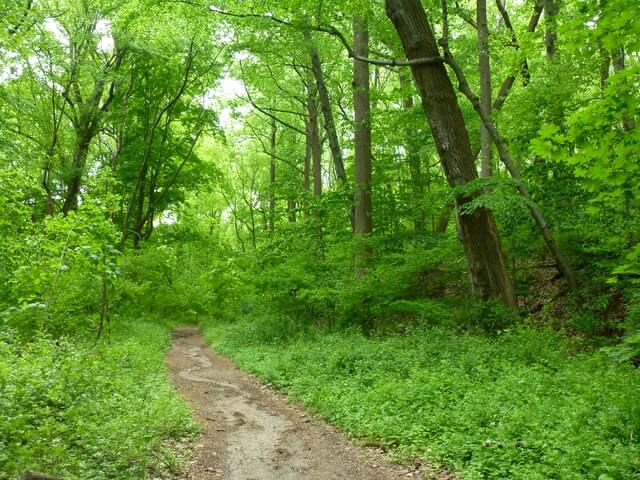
(249, 433)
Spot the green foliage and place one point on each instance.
(399, 285)
(63, 261)
(181, 273)
(81, 411)
(515, 406)
(628, 350)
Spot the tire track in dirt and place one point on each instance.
(250, 433)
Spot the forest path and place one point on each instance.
(250, 433)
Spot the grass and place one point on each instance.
(78, 411)
(515, 406)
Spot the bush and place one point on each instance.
(80, 411)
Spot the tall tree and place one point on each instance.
(484, 67)
(363, 225)
(326, 108)
(478, 232)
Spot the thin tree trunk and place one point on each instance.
(291, 210)
(605, 64)
(315, 147)
(550, 22)
(272, 178)
(505, 157)
(313, 135)
(307, 162)
(415, 167)
(363, 224)
(238, 236)
(508, 82)
(617, 57)
(327, 113)
(484, 67)
(478, 232)
(104, 296)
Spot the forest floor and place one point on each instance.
(250, 432)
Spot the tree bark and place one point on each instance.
(478, 232)
(605, 64)
(78, 163)
(415, 167)
(306, 176)
(313, 139)
(617, 57)
(550, 22)
(362, 114)
(443, 219)
(484, 68)
(272, 178)
(291, 210)
(327, 112)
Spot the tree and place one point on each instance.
(362, 118)
(477, 229)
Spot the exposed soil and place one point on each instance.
(250, 433)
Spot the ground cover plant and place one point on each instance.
(522, 404)
(79, 410)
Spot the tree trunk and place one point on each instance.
(485, 86)
(505, 157)
(550, 22)
(327, 113)
(313, 138)
(478, 232)
(605, 64)
(444, 217)
(272, 178)
(50, 204)
(617, 57)
(79, 161)
(363, 225)
(307, 162)
(291, 210)
(415, 167)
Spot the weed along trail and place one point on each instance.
(249, 433)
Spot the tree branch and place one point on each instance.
(268, 152)
(266, 112)
(331, 30)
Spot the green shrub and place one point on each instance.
(81, 411)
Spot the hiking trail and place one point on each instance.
(251, 433)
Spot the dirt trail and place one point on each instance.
(251, 434)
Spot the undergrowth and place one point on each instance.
(80, 411)
(520, 405)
